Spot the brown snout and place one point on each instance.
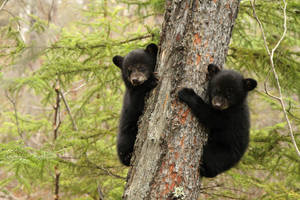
(137, 78)
(220, 103)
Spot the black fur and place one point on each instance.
(226, 116)
(138, 75)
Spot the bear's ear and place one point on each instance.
(249, 84)
(118, 60)
(212, 69)
(152, 49)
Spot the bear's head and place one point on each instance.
(227, 88)
(138, 65)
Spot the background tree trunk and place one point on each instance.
(169, 145)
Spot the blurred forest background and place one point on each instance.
(61, 97)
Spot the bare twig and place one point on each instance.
(268, 93)
(57, 121)
(57, 175)
(3, 4)
(105, 170)
(76, 89)
(56, 124)
(51, 11)
(14, 104)
(41, 7)
(271, 55)
(68, 109)
(101, 196)
(260, 26)
(8, 195)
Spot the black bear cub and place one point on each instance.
(137, 69)
(226, 116)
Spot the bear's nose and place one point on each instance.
(219, 103)
(135, 81)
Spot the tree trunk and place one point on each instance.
(170, 140)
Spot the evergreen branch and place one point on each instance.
(221, 185)
(89, 165)
(13, 102)
(271, 55)
(78, 46)
(69, 110)
(108, 172)
(220, 195)
(10, 13)
(97, 134)
(130, 40)
(218, 185)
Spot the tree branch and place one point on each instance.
(57, 121)
(17, 22)
(13, 102)
(3, 4)
(57, 175)
(8, 195)
(56, 125)
(271, 55)
(101, 196)
(109, 172)
(68, 109)
(90, 164)
(50, 12)
(104, 45)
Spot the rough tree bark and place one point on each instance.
(169, 144)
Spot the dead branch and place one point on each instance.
(68, 109)
(57, 121)
(57, 175)
(56, 124)
(3, 4)
(51, 11)
(271, 55)
(7, 195)
(101, 196)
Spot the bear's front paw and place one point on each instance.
(185, 93)
(154, 81)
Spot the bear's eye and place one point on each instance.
(142, 69)
(217, 90)
(229, 92)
